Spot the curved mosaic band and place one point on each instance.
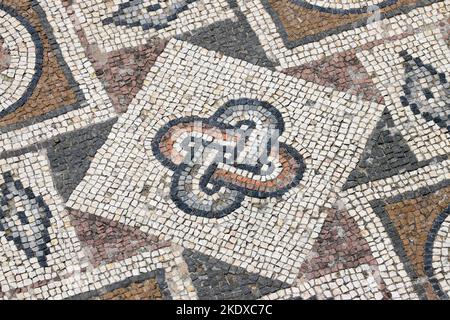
(436, 248)
(217, 161)
(148, 14)
(37, 55)
(363, 8)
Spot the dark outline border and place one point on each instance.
(159, 274)
(363, 10)
(429, 245)
(8, 178)
(405, 99)
(55, 48)
(378, 207)
(321, 35)
(178, 169)
(38, 65)
(147, 26)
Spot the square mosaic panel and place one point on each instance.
(294, 32)
(261, 222)
(47, 84)
(413, 77)
(38, 243)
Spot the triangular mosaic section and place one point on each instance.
(409, 222)
(71, 154)
(147, 286)
(122, 72)
(214, 279)
(343, 72)
(386, 154)
(109, 241)
(232, 38)
(339, 246)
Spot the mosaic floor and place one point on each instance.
(226, 149)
